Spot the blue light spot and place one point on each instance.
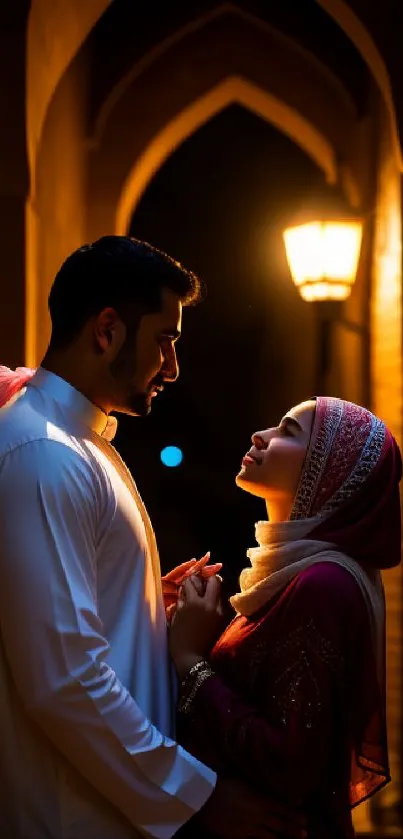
(171, 456)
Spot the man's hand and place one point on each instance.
(171, 582)
(197, 623)
(236, 811)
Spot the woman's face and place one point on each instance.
(272, 467)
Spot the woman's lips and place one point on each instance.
(248, 459)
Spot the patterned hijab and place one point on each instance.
(346, 511)
(350, 480)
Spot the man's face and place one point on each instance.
(147, 358)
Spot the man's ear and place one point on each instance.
(109, 331)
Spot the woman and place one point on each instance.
(293, 695)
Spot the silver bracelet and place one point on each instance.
(191, 684)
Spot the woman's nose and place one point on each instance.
(259, 441)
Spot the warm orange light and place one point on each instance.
(323, 258)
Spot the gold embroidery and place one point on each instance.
(295, 688)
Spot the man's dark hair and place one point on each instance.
(118, 272)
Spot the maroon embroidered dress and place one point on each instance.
(294, 691)
(296, 702)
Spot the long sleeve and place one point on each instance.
(53, 637)
(273, 721)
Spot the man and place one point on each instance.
(87, 711)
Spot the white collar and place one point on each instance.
(68, 397)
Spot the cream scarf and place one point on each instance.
(284, 551)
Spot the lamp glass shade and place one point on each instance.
(323, 258)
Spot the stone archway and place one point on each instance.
(249, 62)
(48, 58)
(231, 90)
(49, 55)
(345, 16)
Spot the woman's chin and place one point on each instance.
(241, 479)
(244, 481)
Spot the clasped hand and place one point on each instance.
(172, 581)
(197, 622)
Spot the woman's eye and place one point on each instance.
(285, 430)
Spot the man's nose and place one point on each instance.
(170, 368)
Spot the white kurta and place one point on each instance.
(86, 699)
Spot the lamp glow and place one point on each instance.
(323, 258)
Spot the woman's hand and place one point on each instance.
(172, 581)
(197, 623)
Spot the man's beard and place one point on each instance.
(130, 401)
(122, 371)
(138, 404)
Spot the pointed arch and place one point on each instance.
(233, 89)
